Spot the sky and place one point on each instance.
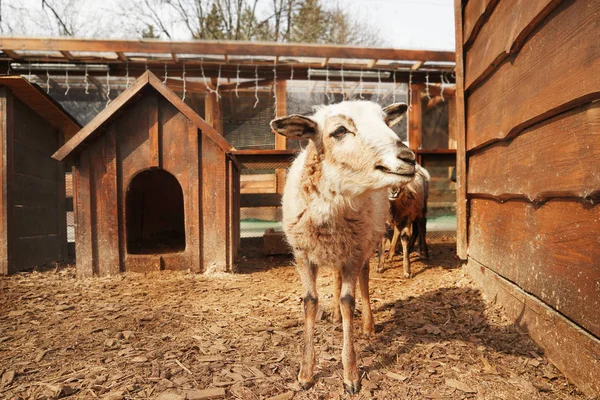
(403, 24)
(410, 24)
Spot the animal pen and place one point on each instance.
(238, 88)
(195, 124)
(528, 173)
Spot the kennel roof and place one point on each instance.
(42, 104)
(130, 95)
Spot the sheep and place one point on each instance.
(408, 209)
(335, 206)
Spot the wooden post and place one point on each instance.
(280, 140)
(5, 178)
(212, 112)
(415, 118)
(452, 122)
(461, 154)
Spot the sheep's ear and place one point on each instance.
(394, 113)
(295, 127)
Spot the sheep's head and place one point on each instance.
(359, 151)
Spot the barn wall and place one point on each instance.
(530, 144)
(36, 219)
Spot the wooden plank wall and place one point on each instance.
(531, 151)
(5, 175)
(37, 196)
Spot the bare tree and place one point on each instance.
(255, 20)
(55, 18)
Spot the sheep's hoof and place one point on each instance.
(306, 384)
(352, 387)
(407, 275)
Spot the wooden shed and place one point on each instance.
(32, 193)
(155, 187)
(528, 86)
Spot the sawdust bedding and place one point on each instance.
(176, 335)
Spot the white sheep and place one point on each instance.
(335, 206)
(408, 210)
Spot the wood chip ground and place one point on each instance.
(177, 335)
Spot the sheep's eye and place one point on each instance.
(339, 132)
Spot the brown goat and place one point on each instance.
(408, 208)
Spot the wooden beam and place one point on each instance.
(434, 101)
(221, 48)
(194, 87)
(52, 82)
(461, 154)
(243, 85)
(260, 200)
(415, 118)
(353, 90)
(452, 128)
(372, 63)
(122, 56)
(174, 57)
(280, 140)
(212, 112)
(12, 54)
(96, 82)
(325, 62)
(67, 55)
(417, 65)
(436, 90)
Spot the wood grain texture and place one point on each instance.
(180, 144)
(551, 251)
(539, 82)
(557, 158)
(475, 14)
(214, 206)
(574, 351)
(212, 112)
(84, 213)
(188, 112)
(220, 47)
(502, 34)
(415, 118)
(153, 133)
(103, 159)
(461, 154)
(5, 205)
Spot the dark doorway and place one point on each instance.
(154, 215)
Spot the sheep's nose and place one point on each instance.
(405, 154)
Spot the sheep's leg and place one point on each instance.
(308, 275)
(336, 315)
(347, 301)
(423, 237)
(367, 315)
(404, 238)
(394, 243)
(414, 237)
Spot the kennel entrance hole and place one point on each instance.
(155, 214)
